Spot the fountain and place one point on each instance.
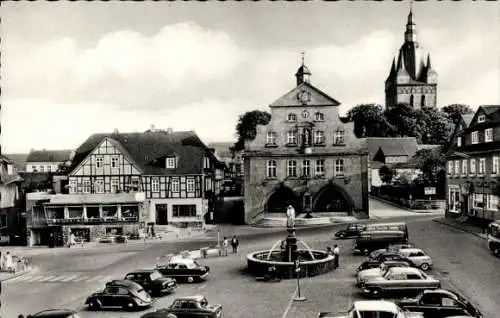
(311, 262)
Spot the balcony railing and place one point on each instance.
(93, 220)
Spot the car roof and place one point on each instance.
(372, 305)
(141, 271)
(56, 313)
(411, 249)
(124, 282)
(180, 260)
(441, 291)
(387, 224)
(193, 297)
(405, 270)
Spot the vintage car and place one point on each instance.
(400, 281)
(373, 308)
(418, 257)
(390, 248)
(370, 241)
(440, 303)
(368, 274)
(152, 281)
(192, 307)
(56, 313)
(351, 230)
(126, 294)
(384, 257)
(184, 270)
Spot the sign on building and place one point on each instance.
(430, 190)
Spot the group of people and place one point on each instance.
(234, 244)
(335, 253)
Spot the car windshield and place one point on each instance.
(376, 314)
(155, 275)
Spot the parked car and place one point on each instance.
(400, 281)
(351, 230)
(437, 303)
(158, 314)
(373, 308)
(370, 241)
(107, 239)
(121, 239)
(184, 270)
(393, 226)
(368, 274)
(390, 248)
(152, 281)
(386, 256)
(192, 307)
(418, 257)
(56, 313)
(128, 296)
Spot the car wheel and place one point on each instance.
(424, 266)
(375, 293)
(190, 279)
(366, 252)
(341, 235)
(94, 305)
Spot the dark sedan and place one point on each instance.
(56, 313)
(193, 307)
(124, 294)
(184, 270)
(437, 303)
(386, 256)
(152, 281)
(351, 230)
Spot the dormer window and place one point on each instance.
(481, 119)
(170, 163)
(292, 117)
(319, 116)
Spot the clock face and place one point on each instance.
(304, 97)
(305, 114)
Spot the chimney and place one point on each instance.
(170, 130)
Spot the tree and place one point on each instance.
(430, 162)
(454, 111)
(246, 129)
(438, 127)
(404, 120)
(369, 121)
(386, 174)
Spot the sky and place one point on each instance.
(70, 69)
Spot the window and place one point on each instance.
(319, 137)
(170, 164)
(292, 117)
(190, 185)
(492, 203)
(306, 168)
(459, 142)
(271, 138)
(482, 165)
(488, 135)
(206, 163)
(291, 137)
(320, 167)
(422, 101)
(86, 186)
(319, 116)
(494, 166)
(155, 185)
(292, 168)
(42, 168)
(99, 186)
(339, 167)
(474, 137)
(450, 167)
(448, 302)
(98, 162)
(114, 162)
(413, 276)
(49, 168)
(481, 118)
(473, 166)
(185, 210)
(175, 185)
(457, 167)
(464, 167)
(72, 186)
(271, 169)
(478, 200)
(339, 137)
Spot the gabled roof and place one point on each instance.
(222, 149)
(150, 149)
(19, 160)
(490, 109)
(392, 146)
(49, 156)
(317, 97)
(467, 119)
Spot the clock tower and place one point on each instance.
(411, 81)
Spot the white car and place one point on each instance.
(418, 257)
(374, 309)
(370, 273)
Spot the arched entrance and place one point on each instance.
(281, 199)
(332, 198)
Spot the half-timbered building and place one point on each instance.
(122, 182)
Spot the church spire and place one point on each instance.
(411, 29)
(429, 66)
(303, 74)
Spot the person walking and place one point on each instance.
(225, 246)
(235, 243)
(329, 251)
(336, 254)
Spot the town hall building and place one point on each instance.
(307, 157)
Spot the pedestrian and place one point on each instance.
(235, 243)
(336, 254)
(329, 250)
(225, 246)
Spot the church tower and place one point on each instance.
(411, 81)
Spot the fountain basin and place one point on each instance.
(259, 262)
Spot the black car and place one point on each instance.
(192, 307)
(351, 230)
(184, 270)
(387, 256)
(124, 294)
(370, 241)
(56, 313)
(152, 281)
(437, 303)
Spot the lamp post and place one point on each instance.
(298, 297)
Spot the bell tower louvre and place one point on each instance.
(411, 81)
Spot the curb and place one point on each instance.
(29, 270)
(403, 207)
(438, 220)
